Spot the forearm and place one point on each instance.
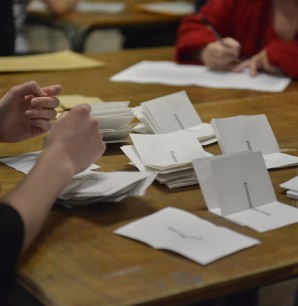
(35, 195)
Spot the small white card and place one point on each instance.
(186, 234)
(238, 187)
(242, 133)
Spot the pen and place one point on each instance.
(213, 30)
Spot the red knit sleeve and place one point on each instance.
(192, 34)
(284, 54)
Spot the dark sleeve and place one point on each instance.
(11, 239)
(7, 30)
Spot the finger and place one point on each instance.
(43, 125)
(53, 90)
(241, 66)
(82, 108)
(253, 67)
(45, 114)
(233, 45)
(44, 102)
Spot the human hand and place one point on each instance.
(76, 139)
(221, 55)
(26, 111)
(257, 62)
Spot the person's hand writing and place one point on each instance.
(221, 55)
(27, 110)
(257, 62)
(76, 139)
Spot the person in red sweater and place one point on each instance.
(255, 35)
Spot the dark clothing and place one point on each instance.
(11, 240)
(7, 29)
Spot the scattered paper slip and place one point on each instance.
(186, 234)
(172, 113)
(177, 8)
(242, 133)
(90, 187)
(55, 61)
(170, 73)
(238, 187)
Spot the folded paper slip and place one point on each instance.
(171, 113)
(61, 60)
(243, 133)
(238, 187)
(186, 234)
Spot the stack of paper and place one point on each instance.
(172, 113)
(238, 187)
(186, 234)
(292, 188)
(114, 120)
(89, 187)
(167, 155)
(105, 187)
(242, 133)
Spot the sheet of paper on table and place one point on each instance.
(170, 73)
(54, 61)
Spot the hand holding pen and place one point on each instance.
(222, 54)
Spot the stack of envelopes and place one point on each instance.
(169, 156)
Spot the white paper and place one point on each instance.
(291, 184)
(84, 7)
(242, 133)
(186, 234)
(179, 8)
(238, 187)
(170, 73)
(168, 150)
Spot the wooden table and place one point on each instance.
(140, 29)
(77, 260)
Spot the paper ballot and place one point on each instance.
(171, 73)
(172, 113)
(186, 234)
(238, 187)
(292, 188)
(89, 187)
(167, 155)
(242, 133)
(114, 119)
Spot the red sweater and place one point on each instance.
(250, 22)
